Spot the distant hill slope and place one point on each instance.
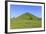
(27, 16)
(25, 20)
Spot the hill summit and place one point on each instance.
(27, 16)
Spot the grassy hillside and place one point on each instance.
(26, 20)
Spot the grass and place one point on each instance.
(25, 24)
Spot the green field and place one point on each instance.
(25, 21)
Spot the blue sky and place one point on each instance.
(17, 10)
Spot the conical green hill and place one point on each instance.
(25, 20)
